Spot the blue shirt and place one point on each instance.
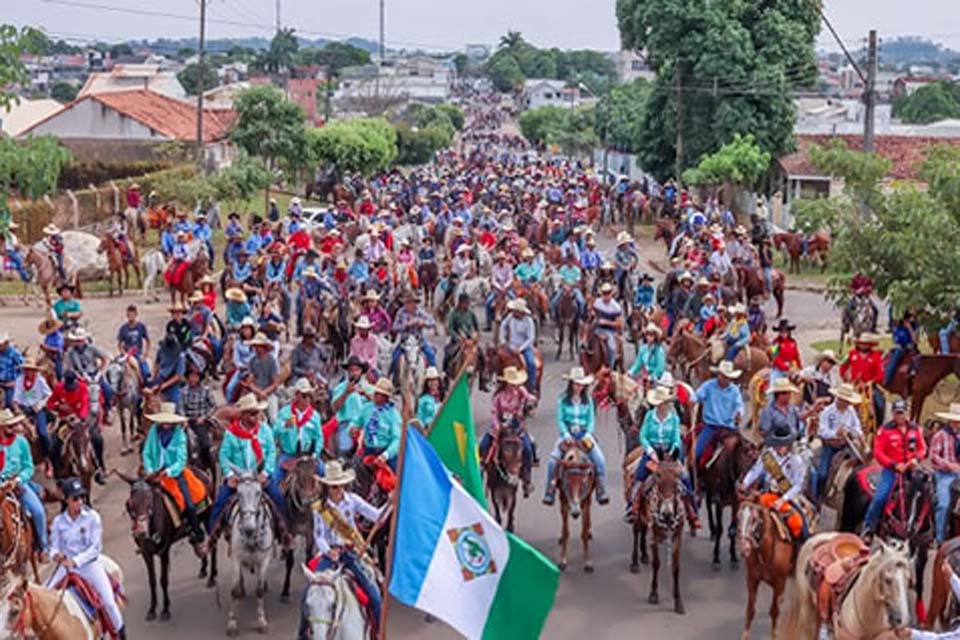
(202, 231)
(132, 337)
(720, 406)
(234, 229)
(590, 259)
(167, 240)
(180, 251)
(275, 271)
(254, 243)
(644, 296)
(359, 271)
(10, 360)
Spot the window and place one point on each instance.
(637, 65)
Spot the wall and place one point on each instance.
(90, 119)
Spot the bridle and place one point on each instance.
(19, 628)
(17, 516)
(333, 623)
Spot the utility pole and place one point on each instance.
(679, 151)
(278, 16)
(201, 72)
(870, 94)
(329, 94)
(382, 44)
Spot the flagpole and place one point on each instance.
(388, 570)
(443, 404)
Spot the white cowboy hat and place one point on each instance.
(727, 370)
(846, 391)
(527, 253)
(294, 200)
(52, 230)
(77, 335)
(431, 374)
(167, 414)
(335, 475)
(606, 287)
(703, 282)
(384, 387)
(953, 415)
(249, 402)
(248, 322)
(782, 385)
(514, 376)
(518, 304)
(738, 309)
(463, 248)
(9, 418)
(579, 376)
(303, 386)
(666, 380)
(658, 395)
(867, 337)
(826, 354)
(652, 328)
(259, 340)
(686, 275)
(623, 238)
(236, 295)
(371, 294)
(310, 272)
(363, 322)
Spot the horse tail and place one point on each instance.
(76, 286)
(801, 618)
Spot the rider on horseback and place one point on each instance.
(53, 243)
(722, 407)
(625, 259)
(737, 335)
(651, 359)
(904, 347)
(298, 432)
(576, 422)
(510, 405)
(609, 323)
(781, 472)
(500, 280)
(119, 231)
(864, 368)
(201, 231)
(570, 280)
(943, 458)
(838, 422)
(380, 423)
(411, 319)
(645, 295)
(11, 247)
(16, 466)
(165, 460)
(518, 333)
(133, 340)
(462, 325)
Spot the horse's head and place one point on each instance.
(575, 477)
(249, 494)
(13, 607)
(889, 574)
(79, 446)
(324, 602)
(511, 454)
(304, 483)
(411, 349)
(749, 527)
(139, 505)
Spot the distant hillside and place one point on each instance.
(222, 45)
(914, 50)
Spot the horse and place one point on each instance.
(858, 317)
(752, 284)
(77, 459)
(666, 230)
(195, 270)
(463, 356)
(576, 480)
(123, 374)
(411, 366)
(301, 489)
(331, 607)
(626, 395)
(943, 605)
(429, 275)
(718, 484)
(876, 602)
(499, 358)
(46, 274)
(152, 264)
(931, 370)
(29, 286)
(251, 540)
(593, 349)
(791, 244)
(16, 535)
(118, 262)
(154, 534)
(768, 557)
(661, 509)
(568, 321)
(692, 352)
(501, 468)
(30, 610)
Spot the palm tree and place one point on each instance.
(511, 40)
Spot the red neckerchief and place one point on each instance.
(4, 443)
(244, 434)
(302, 420)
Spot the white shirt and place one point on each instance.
(720, 262)
(350, 507)
(36, 397)
(832, 420)
(81, 540)
(791, 465)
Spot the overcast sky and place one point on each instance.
(434, 24)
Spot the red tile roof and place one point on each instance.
(904, 152)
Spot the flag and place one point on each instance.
(454, 440)
(453, 560)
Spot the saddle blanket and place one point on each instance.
(174, 273)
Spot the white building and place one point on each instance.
(543, 92)
(418, 78)
(125, 77)
(631, 66)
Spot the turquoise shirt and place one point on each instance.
(292, 441)
(62, 307)
(237, 454)
(427, 408)
(528, 272)
(661, 433)
(570, 274)
(18, 461)
(381, 427)
(237, 311)
(575, 420)
(653, 358)
(172, 458)
(349, 413)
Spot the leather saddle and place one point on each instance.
(833, 567)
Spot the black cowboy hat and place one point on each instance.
(72, 488)
(784, 325)
(646, 278)
(257, 220)
(63, 286)
(354, 361)
(780, 436)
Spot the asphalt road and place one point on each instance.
(610, 603)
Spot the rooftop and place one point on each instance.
(906, 153)
(24, 115)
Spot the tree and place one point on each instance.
(13, 73)
(241, 180)
(454, 114)
(63, 92)
(574, 131)
(279, 57)
(543, 124)
(335, 55)
(620, 115)
(461, 62)
(504, 73)
(736, 63)
(741, 163)
(511, 40)
(119, 50)
(190, 78)
(418, 146)
(366, 145)
(929, 103)
(186, 52)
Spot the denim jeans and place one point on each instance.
(530, 362)
(945, 334)
(706, 435)
(643, 472)
(30, 501)
(279, 474)
(39, 419)
(888, 478)
(595, 455)
(610, 342)
(486, 441)
(896, 357)
(577, 297)
(944, 486)
(823, 469)
(428, 352)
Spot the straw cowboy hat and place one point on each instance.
(518, 304)
(703, 282)
(336, 476)
(578, 376)
(260, 340)
(167, 414)
(952, 415)
(249, 402)
(52, 230)
(782, 385)
(9, 418)
(867, 337)
(846, 391)
(29, 363)
(384, 387)
(826, 354)
(310, 272)
(623, 238)
(514, 376)
(652, 328)
(738, 309)
(79, 334)
(303, 386)
(727, 370)
(686, 275)
(658, 395)
(236, 295)
(527, 253)
(363, 322)
(371, 294)
(431, 374)
(606, 287)
(48, 326)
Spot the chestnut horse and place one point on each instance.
(576, 480)
(931, 371)
(501, 469)
(818, 244)
(498, 359)
(16, 535)
(119, 265)
(661, 509)
(191, 275)
(768, 557)
(753, 284)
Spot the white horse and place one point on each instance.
(409, 232)
(252, 540)
(331, 607)
(411, 368)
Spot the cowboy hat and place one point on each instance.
(167, 414)
(686, 275)
(507, 227)
(514, 376)
(52, 230)
(371, 294)
(248, 321)
(48, 326)
(384, 387)
(363, 322)
(623, 238)
(259, 340)
(518, 304)
(310, 272)
(867, 337)
(79, 334)
(738, 309)
(177, 307)
(740, 230)
(652, 328)
(952, 415)
(335, 475)
(606, 265)
(527, 253)
(236, 295)
(431, 374)
(784, 325)
(303, 386)
(606, 287)
(727, 370)
(196, 296)
(207, 279)
(658, 395)
(464, 248)
(29, 363)
(846, 391)
(249, 402)
(780, 436)
(9, 418)
(578, 376)
(826, 354)
(703, 282)
(782, 385)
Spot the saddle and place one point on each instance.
(90, 601)
(723, 440)
(833, 568)
(198, 484)
(867, 478)
(844, 463)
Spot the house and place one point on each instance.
(305, 92)
(222, 97)
(128, 126)
(477, 52)
(125, 77)
(22, 115)
(417, 78)
(543, 92)
(908, 85)
(632, 66)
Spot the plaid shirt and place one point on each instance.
(196, 402)
(943, 451)
(10, 360)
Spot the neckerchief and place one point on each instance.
(4, 443)
(301, 420)
(248, 434)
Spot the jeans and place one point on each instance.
(486, 441)
(30, 501)
(595, 455)
(610, 342)
(39, 418)
(8, 397)
(530, 362)
(706, 435)
(642, 473)
(344, 438)
(225, 493)
(885, 484)
(17, 262)
(896, 357)
(428, 352)
(170, 394)
(944, 486)
(768, 277)
(577, 296)
(349, 560)
(823, 470)
(945, 334)
(279, 474)
(732, 352)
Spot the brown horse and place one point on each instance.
(593, 349)
(576, 479)
(301, 488)
(502, 468)
(568, 322)
(119, 265)
(77, 459)
(769, 558)
(429, 275)
(16, 536)
(718, 484)
(692, 352)
(191, 275)
(47, 277)
(943, 606)
(499, 358)
(753, 284)
(931, 370)
(463, 356)
(666, 230)
(661, 509)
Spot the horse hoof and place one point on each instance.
(562, 566)
(653, 599)
(211, 582)
(165, 616)
(678, 608)
(644, 560)
(588, 568)
(262, 626)
(634, 568)
(232, 630)
(151, 616)
(202, 574)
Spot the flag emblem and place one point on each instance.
(472, 551)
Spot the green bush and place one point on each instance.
(417, 146)
(366, 145)
(82, 175)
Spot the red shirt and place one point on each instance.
(893, 446)
(366, 208)
(76, 402)
(863, 366)
(300, 240)
(787, 353)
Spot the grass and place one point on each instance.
(809, 273)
